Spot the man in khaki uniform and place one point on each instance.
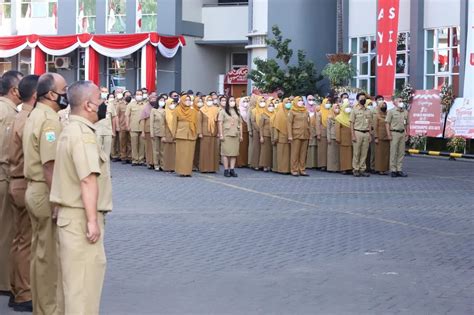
(9, 99)
(40, 137)
(83, 190)
(132, 114)
(124, 135)
(105, 127)
(115, 153)
(361, 126)
(21, 247)
(396, 124)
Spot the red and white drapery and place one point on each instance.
(114, 46)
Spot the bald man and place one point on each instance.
(83, 190)
(40, 138)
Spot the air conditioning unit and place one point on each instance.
(62, 62)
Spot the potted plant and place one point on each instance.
(447, 97)
(418, 142)
(457, 144)
(338, 73)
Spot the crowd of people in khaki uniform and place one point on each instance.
(55, 154)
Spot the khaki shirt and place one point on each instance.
(133, 111)
(15, 156)
(343, 135)
(157, 122)
(298, 125)
(183, 129)
(230, 124)
(379, 127)
(64, 116)
(265, 130)
(203, 127)
(104, 126)
(78, 156)
(40, 137)
(121, 108)
(8, 113)
(361, 117)
(397, 119)
(313, 132)
(331, 129)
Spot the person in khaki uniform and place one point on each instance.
(243, 158)
(105, 127)
(145, 126)
(169, 144)
(9, 99)
(207, 130)
(21, 247)
(313, 110)
(321, 132)
(382, 144)
(396, 125)
(123, 133)
(42, 129)
(298, 136)
(230, 134)
(361, 125)
(344, 138)
(132, 114)
(265, 131)
(280, 137)
(115, 151)
(333, 146)
(82, 189)
(255, 131)
(157, 132)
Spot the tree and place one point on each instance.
(297, 79)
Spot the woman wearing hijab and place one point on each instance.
(312, 156)
(207, 129)
(146, 131)
(274, 139)
(185, 134)
(256, 114)
(333, 146)
(243, 158)
(382, 143)
(265, 130)
(344, 138)
(298, 136)
(280, 137)
(198, 103)
(230, 134)
(321, 125)
(169, 147)
(157, 131)
(252, 104)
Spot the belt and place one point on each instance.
(400, 131)
(17, 177)
(364, 131)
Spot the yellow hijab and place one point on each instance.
(211, 113)
(295, 107)
(258, 111)
(187, 113)
(169, 114)
(280, 119)
(266, 111)
(343, 117)
(324, 113)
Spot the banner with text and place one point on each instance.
(387, 37)
(469, 72)
(460, 120)
(425, 114)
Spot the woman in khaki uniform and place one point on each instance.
(333, 146)
(198, 103)
(280, 137)
(157, 132)
(278, 106)
(146, 130)
(298, 136)
(382, 144)
(185, 134)
(254, 119)
(252, 104)
(169, 147)
(243, 158)
(344, 139)
(207, 129)
(312, 156)
(264, 125)
(230, 133)
(321, 125)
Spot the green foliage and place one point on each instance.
(338, 73)
(406, 94)
(457, 144)
(298, 79)
(447, 97)
(418, 142)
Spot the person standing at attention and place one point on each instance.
(396, 125)
(157, 131)
(361, 124)
(207, 129)
(230, 134)
(298, 136)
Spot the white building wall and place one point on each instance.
(260, 16)
(225, 23)
(192, 10)
(442, 13)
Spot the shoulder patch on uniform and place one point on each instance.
(50, 136)
(89, 138)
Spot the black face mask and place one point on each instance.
(102, 112)
(154, 104)
(128, 99)
(362, 102)
(61, 100)
(383, 109)
(176, 99)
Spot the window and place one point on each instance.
(50, 67)
(24, 64)
(116, 16)
(38, 8)
(364, 60)
(149, 19)
(5, 65)
(116, 73)
(5, 10)
(239, 60)
(233, 2)
(442, 57)
(81, 61)
(86, 16)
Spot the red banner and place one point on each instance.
(425, 114)
(387, 35)
(237, 76)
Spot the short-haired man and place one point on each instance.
(396, 123)
(361, 125)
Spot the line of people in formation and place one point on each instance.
(183, 132)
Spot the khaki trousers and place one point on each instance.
(158, 147)
(82, 263)
(115, 153)
(299, 150)
(44, 271)
(361, 147)
(124, 138)
(138, 147)
(148, 149)
(105, 143)
(397, 151)
(21, 247)
(6, 236)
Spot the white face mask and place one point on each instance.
(188, 103)
(336, 110)
(210, 103)
(327, 106)
(300, 104)
(139, 98)
(111, 99)
(245, 104)
(214, 101)
(103, 95)
(232, 104)
(370, 107)
(145, 96)
(161, 103)
(262, 104)
(401, 105)
(348, 110)
(119, 96)
(271, 109)
(172, 106)
(311, 102)
(345, 102)
(200, 104)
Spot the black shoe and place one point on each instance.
(373, 172)
(11, 300)
(226, 173)
(128, 162)
(124, 161)
(233, 174)
(394, 174)
(365, 174)
(356, 173)
(401, 174)
(304, 174)
(23, 307)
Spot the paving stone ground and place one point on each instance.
(271, 244)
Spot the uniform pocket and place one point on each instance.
(63, 222)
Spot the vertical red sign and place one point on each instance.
(387, 35)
